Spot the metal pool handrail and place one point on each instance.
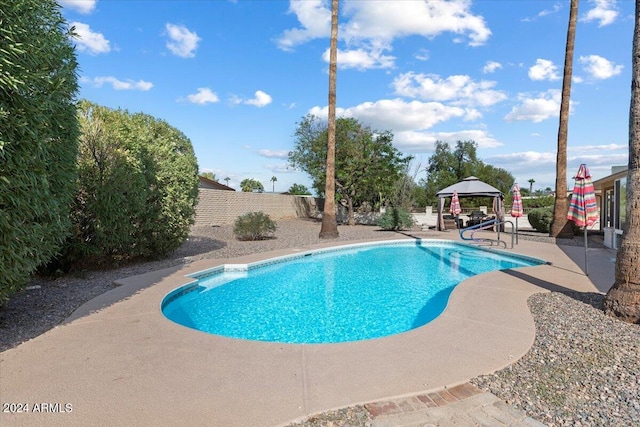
(485, 226)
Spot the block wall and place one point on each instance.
(218, 207)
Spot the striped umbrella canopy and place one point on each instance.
(583, 209)
(455, 208)
(516, 207)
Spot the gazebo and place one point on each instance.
(469, 187)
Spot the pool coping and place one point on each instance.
(118, 357)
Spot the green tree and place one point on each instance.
(249, 185)
(561, 227)
(623, 299)
(367, 163)
(404, 191)
(273, 184)
(440, 171)
(38, 137)
(299, 190)
(447, 167)
(498, 177)
(209, 175)
(137, 188)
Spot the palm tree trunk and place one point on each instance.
(623, 299)
(329, 229)
(560, 227)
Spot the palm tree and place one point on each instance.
(329, 229)
(623, 299)
(531, 181)
(273, 182)
(227, 179)
(560, 226)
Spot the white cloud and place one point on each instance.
(556, 7)
(422, 55)
(120, 84)
(459, 90)
(541, 166)
(315, 19)
(386, 21)
(274, 154)
(544, 70)
(182, 42)
(536, 109)
(235, 100)
(203, 96)
(604, 12)
(369, 28)
(421, 142)
(593, 160)
(396, 114)
(491, 66)
(89, 41)
(278, 168)
(260, 99)
(600, 148)
(599, 67)
(361, 59)
(525, 158)
(82, 6)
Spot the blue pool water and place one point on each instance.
(358, 293)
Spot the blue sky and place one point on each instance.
(236, 76)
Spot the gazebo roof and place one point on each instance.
(469, 187)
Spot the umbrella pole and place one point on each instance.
(516, 230)
(586, 246)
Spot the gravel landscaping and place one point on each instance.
(583, 369)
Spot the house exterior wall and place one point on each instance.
(609, 205)
(218, 207)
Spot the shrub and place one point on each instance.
(38, 137)
(540, 219)
(253, 226)
(137, 189)
(396, 219)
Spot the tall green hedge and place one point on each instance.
(38, 137)
(137, 188)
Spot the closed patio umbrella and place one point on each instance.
(454, 208)
(583, 209)
(498, 210)
(516, 207)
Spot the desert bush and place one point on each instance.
(540, 219)
(395, 219)
(137, 189)
(38, 137)
(253, 226)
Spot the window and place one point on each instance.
(620, 194)
(609, 207)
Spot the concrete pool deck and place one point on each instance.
(118, 361)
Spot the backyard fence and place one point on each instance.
(219, 207)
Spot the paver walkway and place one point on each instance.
(464, 405)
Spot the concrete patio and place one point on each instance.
(118, 361)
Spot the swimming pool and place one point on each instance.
(349, 293)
